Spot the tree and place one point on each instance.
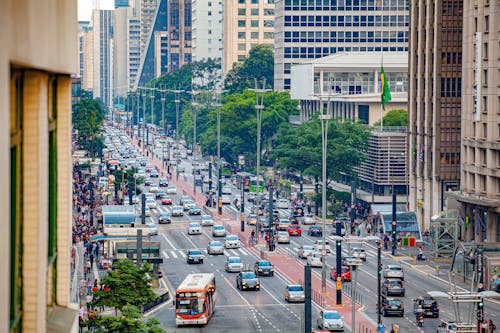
(88, 118)
(129, 321)
(395, 118)
(259, 65)
(128, 285)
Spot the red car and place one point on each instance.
(166, 200)
(294, 230)
(345, 275)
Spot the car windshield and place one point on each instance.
(294, 288)
(194, 225)
(215, 243)
(307, 248)
(395, 268)
(206, 217)
(195, 252)
(264, 263)
(190, 306)
(345, 269)
(331, 315)
(234, 260)
(248, 275)
(394, 303)
(395, 283)
(219, 227)
(164, 214)
(282, 233)
(232, 238)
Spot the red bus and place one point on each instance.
(195, 299)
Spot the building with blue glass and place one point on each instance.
(310, 29)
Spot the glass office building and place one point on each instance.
(309, 29)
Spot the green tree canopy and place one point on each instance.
(128, 285)
(259, 65)
(88, 119)
(395, 118)
(129, 321)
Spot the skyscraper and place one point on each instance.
(479, 194)
(179, 33)
(102, 22)
(435, 63)
(309, 29)
(207, 29)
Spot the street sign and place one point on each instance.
(339, 285)
(393, 223)
(323, 253)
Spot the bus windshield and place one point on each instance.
(190, 306)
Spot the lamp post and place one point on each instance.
(259, 106)
(324, 118)
(145, 133)
(218, 105)
(163, 100)
(354, 263)
(177, 102)
(138, 95)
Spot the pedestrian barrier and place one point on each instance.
(348, 291)
(363, 329)
(318, 297)
(158, 300)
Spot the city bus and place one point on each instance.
(243, 179)
(195, 299)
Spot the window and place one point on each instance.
(268, 24)
(241, 1)
(242, 11)
(485, 104)
(268, 12)
(254, 11)
(241, 57)
(242, 35)
(268, 35)
(16, 195)
(254, 35)
(486, 23)
(485, 51)
(241, 23)
(242, 47)
(254, 23)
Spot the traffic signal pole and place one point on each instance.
(393, 224)
(338, 243)
(379, 280)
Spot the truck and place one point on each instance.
(453, 327)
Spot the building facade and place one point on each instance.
(121, 37)
(310, 29)
(102, 21)
(179, 34)
(479, 194)
(35, 168)
(86, 57)
(207, 29)
(351, 81)
(435, 62)
(246, 24)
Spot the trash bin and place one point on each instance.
(405, 241)
(412, 241)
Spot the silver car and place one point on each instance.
(234, 264)
(394, 271)
(215, 247)
(358, 252)
(177, 211)
(194, 228)
(232, 242)
(305, 251)
(206, 220)
(314, 259)
(283, 237)
(330, 320)
(219, 231)
(294, 293)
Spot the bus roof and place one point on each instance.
(197, 281)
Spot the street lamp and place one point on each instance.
(354, 263)
(259, 106)
(219, 166)
(324, 118)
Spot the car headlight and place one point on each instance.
(244, 282)
(260, 269)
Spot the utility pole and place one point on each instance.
(308, 303)
(144, 119)
(138, 95)
(379, 281)
(177, 102)
(338, 250)
(163, 100)
(259, 106)
(394, 223)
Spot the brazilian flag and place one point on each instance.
(386, 92)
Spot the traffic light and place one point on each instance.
(338, 243)
(480, 310)
(379, 269)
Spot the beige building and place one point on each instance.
(39, 53)
(434, 98)
(86, 39)
(246, 24)
(479, 193)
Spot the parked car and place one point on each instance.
(263, 267)
(215, 247)
(164, 218)
(234, 264)
(194, 256)
(315, 230)
(394, 271)
(330, 320)
(392, 307)
(295, 293)
(393, 287)
(246, 280)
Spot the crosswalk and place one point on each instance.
(295, 250)
(181, 253)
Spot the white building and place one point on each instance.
(121, 50)
(86, 58)
(102, 22)
(206, 29)
(352, 83)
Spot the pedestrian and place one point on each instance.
(381, 327)
(484, 326)
(88, 268)
(81, 315)
(91, 258)
(491, 327)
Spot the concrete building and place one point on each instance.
(207, 29)
(38, 55)
(179, 34)
(86, 57)
(310, 29)
(121, 56)
(435, 60)
(102, 22)
(479, 194)
(147, 12)
(246, 24)
(352, 82)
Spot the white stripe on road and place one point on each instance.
(174, 254)
(182, 254)
(168, 241)
(165, 255)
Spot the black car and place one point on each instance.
(392, 307)
(428, 304)
(263, 267)
(164, 218)
(163, 182)
(247, 280)
(393, 287)
(315, 230)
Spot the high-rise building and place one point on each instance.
(35, 169)
(147, 12)
(207, 29)
(435, 62)
(134, 49)
(86, 39)
(121, 37)
(479, 193)
(102, 22)
(310, 29)
(246, 24)
(179, 33)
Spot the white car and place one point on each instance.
(305, 251)
(234, 264)
(171, 189)
(206, 220)
(194, 228)
(186, 204)
(284, 224)
(226, 199)
(283, 204)
(314, 259)
(226, 190)
(151, 204)
(394, 271)
(309, 219)
(283, 237)
(177, 211)
(330, 320)
(232, 242)
(358, 252)
(149, 195)
(153, 188)
(318, 246)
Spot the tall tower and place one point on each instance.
(207, 29)
(102, 21)
(435, 90)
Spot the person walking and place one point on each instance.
(381, 327)
(491, 327)
(484, 326)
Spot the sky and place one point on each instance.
(85, 8)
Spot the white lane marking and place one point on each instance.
(189, 240)
(167, 240)
(165, 255)
(243, 251)
(174, 254)
(182, 254)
